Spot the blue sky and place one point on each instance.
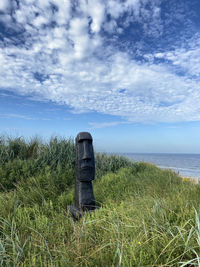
(127, 71)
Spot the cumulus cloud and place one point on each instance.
(68, 52)
(4, 5)
(185, 59)
(96, 11)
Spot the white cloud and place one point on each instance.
(97, 12)
(17, 116)
(63, 14)
(185, 58)
(110, 26)
(78, 34)
(4, 5)
(99, 125)
(70, 62)
(39, 21)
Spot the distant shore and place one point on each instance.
(185, 165)
(183, 175)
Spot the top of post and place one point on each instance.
(83, 136)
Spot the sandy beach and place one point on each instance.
(194, 180)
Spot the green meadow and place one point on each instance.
(146, 216)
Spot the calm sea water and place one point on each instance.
(184, 164)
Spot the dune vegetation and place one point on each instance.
(146, 216)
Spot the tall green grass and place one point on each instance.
(147, 216)
(21, 160)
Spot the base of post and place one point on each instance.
(77, 214)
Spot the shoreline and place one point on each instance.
(182, 164)
(181, 174)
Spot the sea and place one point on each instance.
(186, 165)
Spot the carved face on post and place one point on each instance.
(85, 157)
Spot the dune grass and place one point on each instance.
(146, 216)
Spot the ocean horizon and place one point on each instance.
(187, 165)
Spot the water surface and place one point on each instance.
(187, 165)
